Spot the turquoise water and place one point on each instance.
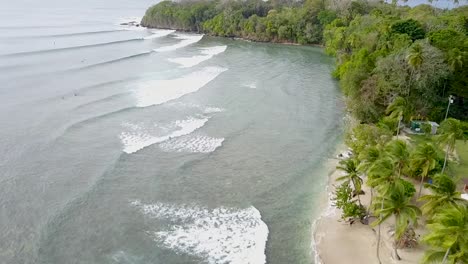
(129, 145)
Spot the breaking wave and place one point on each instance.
(185, 41)
(159, 33)
(208, 53)
(193, 144)
(160, 91)
(138, 137)
(219, 235)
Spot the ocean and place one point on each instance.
(121, 144)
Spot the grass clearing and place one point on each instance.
(461, 169)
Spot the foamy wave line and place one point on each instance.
(161, 91)
(193, 144)
(220, 235)
(208, 53)
(185, 41)
(205, 109)
(159, 33)
(138, 138)
(251, 85)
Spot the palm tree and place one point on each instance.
(415, 59)
(399, 108)
(397, 203)
(415, 56)
(381, 175)
(455, 59)
(425, 158)
(444, 193)
(350, 167)
(398, 151)
(450, 130)
(448, 236)
(368, 157)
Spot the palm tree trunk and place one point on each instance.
(445, 256)
(398, 128)
(379, 235)
(445, 160)
(420, 186)
(395, 246)
(357, 193)
(395, 251)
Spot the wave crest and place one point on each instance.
(161, 91)
(208, 53)
(220, 235)
(185, 41)
(138, 137)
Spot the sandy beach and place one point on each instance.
(338, 242)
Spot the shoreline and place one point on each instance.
(238, 38)
(335, 241)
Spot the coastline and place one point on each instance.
(237, 37)
(335, 241)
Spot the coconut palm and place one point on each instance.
(415, 59)
(398, 151)
(415, 56)
(424, 157)
(450, 131)
(397, 203)
(400, 108)
(381, 176)
(350, 168)
(368, 157)
(443, 193)
(448, 236)
(455, 59)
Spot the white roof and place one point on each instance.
(464, 196)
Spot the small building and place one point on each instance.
(416, 126)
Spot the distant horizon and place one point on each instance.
(440, 3)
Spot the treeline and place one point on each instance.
(387, 53)
(270, 21)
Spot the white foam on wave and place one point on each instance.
(138, 137)
(251, 85)
(159, 33)
(210, 110)
(220, 235)
(192, 144)
(208, 53)
(204, 109)
(161, 91)
(185, 41)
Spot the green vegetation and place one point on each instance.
(402, 61)
(461, 168)
(389, 165)
(447, 236)
(272, 21)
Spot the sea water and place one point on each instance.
(121, 144)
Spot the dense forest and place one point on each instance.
(384, 52)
